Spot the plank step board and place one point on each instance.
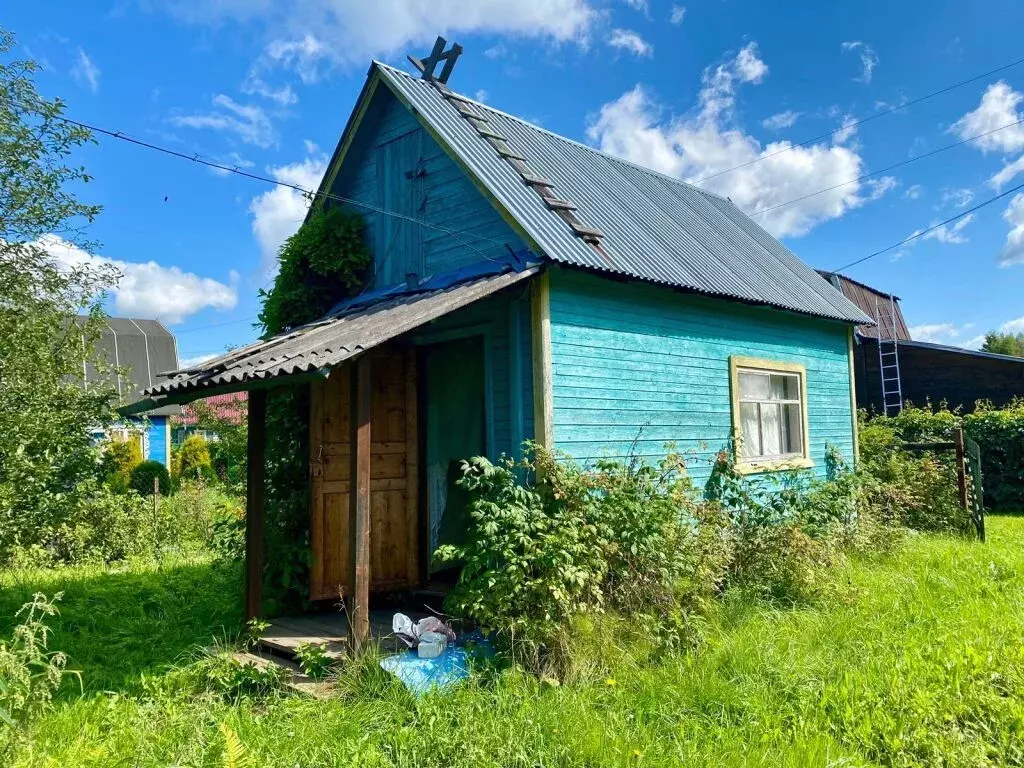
(586, 232)
(558, 204)
(503, 149)
(298, 680)
(536, 181)
(487, 132)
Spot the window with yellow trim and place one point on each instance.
(769, 412)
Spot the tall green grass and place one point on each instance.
(913, 660)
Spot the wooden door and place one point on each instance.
(394, 525)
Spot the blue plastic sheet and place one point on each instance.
(421, 675)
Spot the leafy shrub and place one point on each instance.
(105, 526)
(313, 659)
(142, 477)
(227, 531)
(1000, 434)
(30, 673)
(120, 457)
(192, 460)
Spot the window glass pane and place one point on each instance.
(753, 386)
(793, 429)
(785, 387)
(771, 430)
(750, 443)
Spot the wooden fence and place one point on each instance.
(968, 474)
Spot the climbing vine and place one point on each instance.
(322, 263)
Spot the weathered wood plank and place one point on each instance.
(360, 500)
(254, 505)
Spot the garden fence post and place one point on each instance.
(156, 518)
(961, 468)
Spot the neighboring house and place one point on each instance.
(230, 407)
(528, 286)
(921, 371)
(140, 350)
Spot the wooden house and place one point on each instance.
(926, 372)
(528, 286)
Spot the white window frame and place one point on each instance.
(796, 460)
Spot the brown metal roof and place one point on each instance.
(324, 343)
(883, 308)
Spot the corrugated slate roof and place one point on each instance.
(332, 339)
(141, 348)
(654, 227)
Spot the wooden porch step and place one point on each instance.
(296, 680)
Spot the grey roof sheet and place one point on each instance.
(141, 348)
(655, 227)
(330, 340)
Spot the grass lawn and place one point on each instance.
(913, 660)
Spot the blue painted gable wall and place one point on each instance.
(634, 362)
(394, 164)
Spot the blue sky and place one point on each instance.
(692, 88)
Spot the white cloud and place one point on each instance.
(481, 95)
(189, 362)
(936, 333)
(878, 188)
(847, 128)
(781, 120)
(254, 85)
(247, 121)
(1008, 173)
(496, 51)
(85, 72)
(998, 107)
(637, 5)
(961, 198)
(708, 142)
(974, 342)
(913, 192)
(951, 234)
(1013, 251)
(147, 289)
(678, 14)
(629, 40)
(278, 212)
(868, 58)
(232, 160)
(316, 33)
(1013, 326)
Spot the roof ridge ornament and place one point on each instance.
(437, 55)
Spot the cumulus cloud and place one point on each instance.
(628, 40)
(960, 198)
(677, 14)
(935, 332)
(248, 122)
(1013, 251)
(194, 360)
(998, 108)
(85, 72)
(913, 192)
(278, 212)
(708, 142)
(148, 289)
(780, 120)
(868, 58)
(315, 34)
(951, 234)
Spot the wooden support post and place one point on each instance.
(359, 601)
(543, 408)
(961, 468)
(254, 503)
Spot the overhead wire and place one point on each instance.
(862, 121)
(888, 168)
(932, 228)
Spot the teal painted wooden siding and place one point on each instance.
(636, 366)
(504, 321)
(394, 164)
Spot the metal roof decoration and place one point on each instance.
(346, 331)
(646, 225)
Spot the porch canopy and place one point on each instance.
(309, 352)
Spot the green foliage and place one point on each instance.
(319, 265)
(108, 526)
(30, 673)
(1004, 343)
(313, 659)
(1000, 434)
(227, 531)
(192, 461)
(229, 452)
(45, 415)
(142, 476)
(120, 457)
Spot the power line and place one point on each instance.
(888, 168)
(932, 228)
(215, 325)
(863, 120)
(197, 158)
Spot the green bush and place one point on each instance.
(192, 460)
(142, 476)
(1000, 435)
(120, 457)
(106, 526)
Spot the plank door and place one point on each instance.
(394, 526)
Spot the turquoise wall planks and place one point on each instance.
(393, 163)
(636, 366)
